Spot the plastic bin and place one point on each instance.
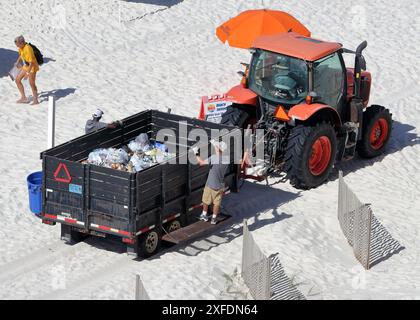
(34, 189)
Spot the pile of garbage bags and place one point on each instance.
(138, 155)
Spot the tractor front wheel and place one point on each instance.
(376, 130)
(310, 155)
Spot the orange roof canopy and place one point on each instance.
(296, 45)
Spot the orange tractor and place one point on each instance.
(313, 109)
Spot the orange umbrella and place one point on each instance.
(241, 30)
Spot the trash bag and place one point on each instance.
(138, 155)
(119, 156)
(143, 139)
(140, 143)
(98, 157)
(140, 162)
(162, 156)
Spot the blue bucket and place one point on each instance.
(34, 188)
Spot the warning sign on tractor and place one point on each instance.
(62, 174)
(214, 107)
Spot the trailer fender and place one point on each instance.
(315, 111)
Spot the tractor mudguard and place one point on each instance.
(241, 95)
(305, 111)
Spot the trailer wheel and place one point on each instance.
(71, 236)
(172, 226)
(310, 155)
(149, 244)
(376, 131)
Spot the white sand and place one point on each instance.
(162, 57)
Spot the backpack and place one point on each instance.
(38, 55)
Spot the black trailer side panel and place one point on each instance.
(111, 192)
(63, 188)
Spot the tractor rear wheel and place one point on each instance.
(376, 131)
(310, 155)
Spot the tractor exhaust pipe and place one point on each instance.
(356, 104)
(359, 65)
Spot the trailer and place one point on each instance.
(140, 207)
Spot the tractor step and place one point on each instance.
(349, 141)
(347, 158)
(349, 152)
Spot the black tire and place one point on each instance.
(172, 226)
(299, 151)
(148, 244)
(235, 116)
(372, 116)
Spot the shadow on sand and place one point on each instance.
(166, 3)
(253, 201)
(57, 93)
(401, 138)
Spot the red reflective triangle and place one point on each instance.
(60, 167)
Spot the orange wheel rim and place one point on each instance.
(379, 133)
(320, 156)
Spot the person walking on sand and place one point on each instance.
(27, 71)
(215, 185)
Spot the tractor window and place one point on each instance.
(329, 79)
(278, 78)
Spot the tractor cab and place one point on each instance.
(288, 69)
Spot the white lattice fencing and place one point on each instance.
(371, 242)
(265, 276)
(255, 267)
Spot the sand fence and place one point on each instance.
(371, 242)
(265, 276)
